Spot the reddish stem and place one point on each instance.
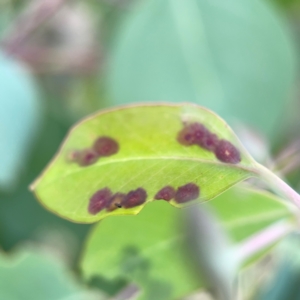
(263, 239)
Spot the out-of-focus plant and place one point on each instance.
(235, 58)
(27, 273)
(19, 119)
(53, 36)
(62, 59)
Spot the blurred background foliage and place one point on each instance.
(61, 60)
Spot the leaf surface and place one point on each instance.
(149, 157)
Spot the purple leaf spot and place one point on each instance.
(106, 146)
(197, 134)
(209, 141)
(228, 153)
(191, 134)
(134, 198)
(99, 201)
(187, 192)
(166, 193)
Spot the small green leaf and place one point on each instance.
(147, 156)
(150, 247)
(30, 275)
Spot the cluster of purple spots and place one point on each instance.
(105, 199)
(103, 146)
(198, 134)
(184, 193)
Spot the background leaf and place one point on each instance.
(19, 119)
(150, 157)
(27, 273)
(18, 207)
(233, 57)
(149, 248)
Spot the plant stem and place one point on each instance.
(263, 239)
(279, 186)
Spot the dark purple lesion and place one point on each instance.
(106, 146)
(104, 199)
(134, 198)
(103, 146)
(228, 153)
(99, 201)
(167, 193)
(192, 134)
(187, 192)
(197, 134)
(209, 142)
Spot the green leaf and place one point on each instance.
(30, 275)
(234, 57)
(20, 204)
(19, 119)
(149, 157)
(150, 248)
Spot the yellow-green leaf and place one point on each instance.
(148, 157)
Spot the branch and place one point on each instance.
(263, 239)
(279, 186)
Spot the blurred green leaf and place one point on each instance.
(150, 157)
(287, 4)
(18, 207)
(146, 249)
(19, 119)
(149, 248)
(284, 282)
(234, 57)
(6, 16)
(30, 275)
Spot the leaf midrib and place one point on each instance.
(34, 185)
